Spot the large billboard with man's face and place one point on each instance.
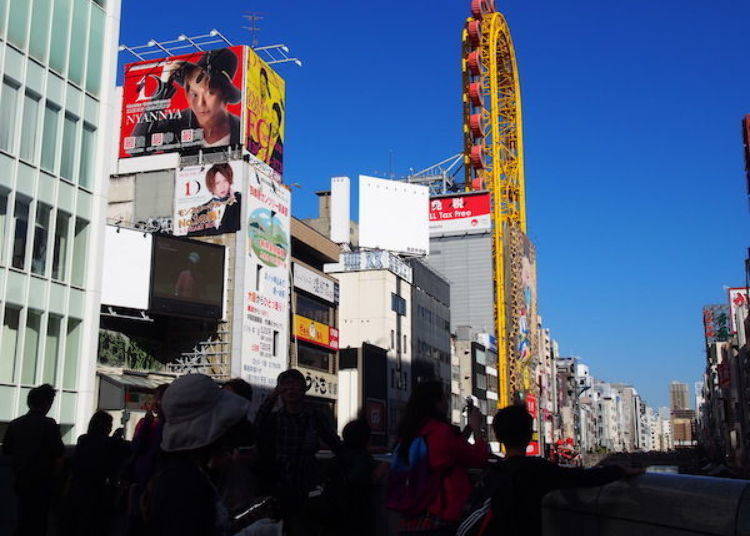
(183, 102)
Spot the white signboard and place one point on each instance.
(314, 283)
(739, 306)
(126, 274)
(371, 260)
(320, 383)
(340, 213)
(393, 216)
(265, 344)
(207, 200)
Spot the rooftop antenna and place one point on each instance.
(253, 19)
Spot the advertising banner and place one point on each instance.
(314, 283)
(375, 415)
(716, 323)
(206, 200)
(379, 200)
(371, 260)
(320, 383)
(315, 332)
(738, 307)
(266, 112)
(521, 298)
(183, 102)
(468, 213)
(265, 351)
(187, 277)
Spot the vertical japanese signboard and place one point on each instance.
(266, 317)
(716, 323)
(738, 307)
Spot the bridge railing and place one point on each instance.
(653, 503)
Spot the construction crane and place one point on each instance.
(493, 160)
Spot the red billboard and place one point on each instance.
(183, 102)
(467, 213)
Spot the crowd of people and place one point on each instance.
(199, 465)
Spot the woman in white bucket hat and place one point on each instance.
(199, 416)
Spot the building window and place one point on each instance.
(59, 251)
(28, 127)
(72, 352)
(398, 304)
(3, 222)
(49, 137)
(94, 65)
(51, 349)
(40, 29)
(405, 344)
(59, 45)
(313, 309)
(41, 238)
(18, 22)
(31, 347)
(312, 357)
(9, 344)
(78, 276)
(88, 153)
(8, 104)
(275, 343)
(67, 163)
(20, 232)
(77, 53)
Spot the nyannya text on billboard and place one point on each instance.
(183, 102)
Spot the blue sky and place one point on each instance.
(636, 196)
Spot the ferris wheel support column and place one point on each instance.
(494, 156)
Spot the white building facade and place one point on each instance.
(57, 102)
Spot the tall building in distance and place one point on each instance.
(56, 103)
(678, 396)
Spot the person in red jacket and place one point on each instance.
(450, 456)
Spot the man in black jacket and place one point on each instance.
(517, 505)
(35, 447)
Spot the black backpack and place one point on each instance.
(491, 503)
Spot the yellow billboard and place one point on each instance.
(315, 332)
(265, 96)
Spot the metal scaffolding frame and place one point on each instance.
(184, 44)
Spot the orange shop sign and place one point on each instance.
(315, 332)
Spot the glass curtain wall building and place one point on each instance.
(57, 86)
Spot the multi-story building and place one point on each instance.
(315, 318)
(678, 395)
(375, 308)
(568, 399)
(430, 325)
(57, 104)
(630, 416)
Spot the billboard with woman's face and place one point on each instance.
(208, 199)
(266, 113)
(183, 102)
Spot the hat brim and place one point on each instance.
(204, 429)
